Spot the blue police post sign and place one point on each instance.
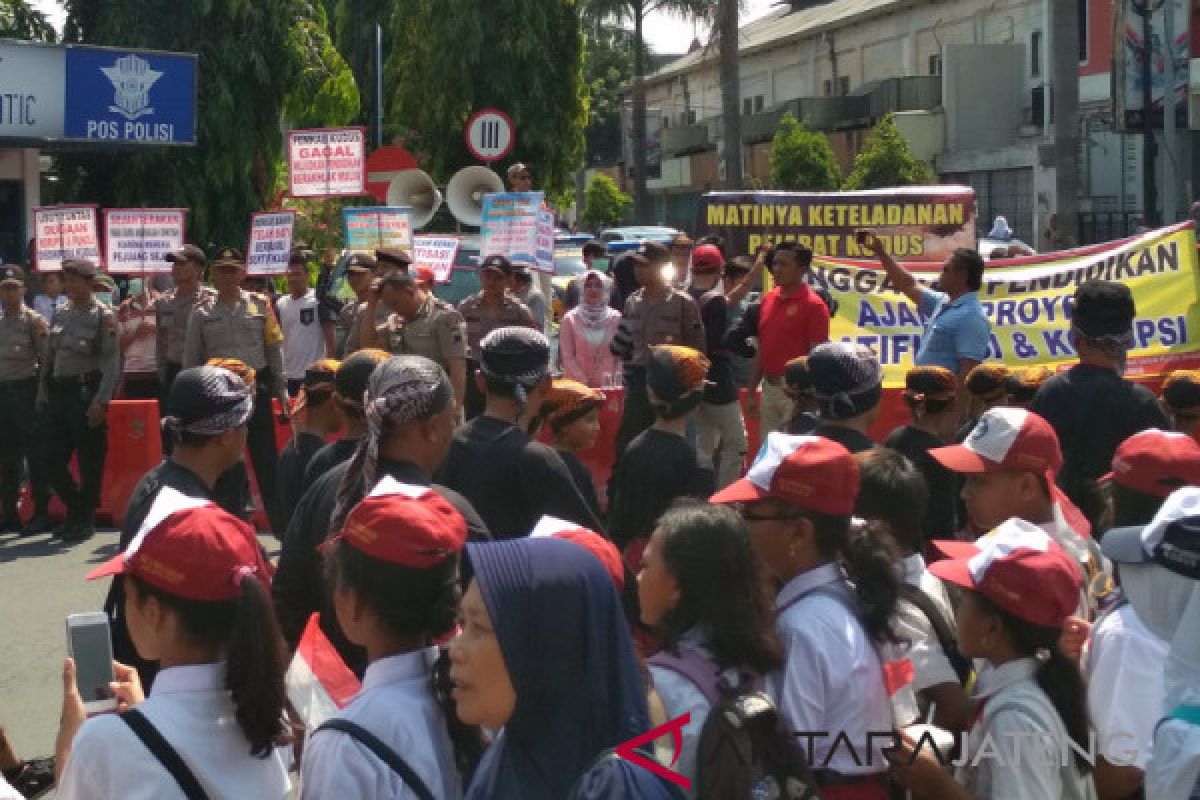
(134, 97)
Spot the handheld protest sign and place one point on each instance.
(65, 232)
(269, 244)
(138, 240)
(327, 162)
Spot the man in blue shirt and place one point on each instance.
(957, 334)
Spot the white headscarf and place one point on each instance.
(595, 316)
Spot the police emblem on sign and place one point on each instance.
(132, 78)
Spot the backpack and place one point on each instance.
(941, 628)
(745, 750)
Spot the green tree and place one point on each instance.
(450, 58)
(256, 59)
(604, 203)
(607, 71)
(886, 160)
(635, 12)
(802, 159)
(19, 20)
(352, 24)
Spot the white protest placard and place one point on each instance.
(327, 162)
(270, 243)
(545, 241)
(63, 232)
(437, 253)
(139, 239)
(511, 225)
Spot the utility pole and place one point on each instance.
(1146, 9)
(1170, 184)
(1064, 19)
(731, 92)
(641, 195)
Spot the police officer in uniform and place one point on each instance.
(83, 364)
(494, 306)
(240, 324)
(173, 308)
(419, 325)
(22, 350)
(360, 270)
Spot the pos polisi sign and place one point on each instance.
(142, 97)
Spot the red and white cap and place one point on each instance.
(811, 472)
(1019, 568)
(1157, 462)
(1005, 439)
(191, 548)
(707, 258)
(412, 526)
(604, 550)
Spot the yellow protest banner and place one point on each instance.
(1028, 302)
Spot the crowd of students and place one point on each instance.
(1016, 567)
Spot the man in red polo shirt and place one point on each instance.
(789, 321)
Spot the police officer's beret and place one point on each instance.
(498, 263)
(360, 262)
(229, 257)
(393, 257)
(189, 252)
(11, 275)
(79, 266)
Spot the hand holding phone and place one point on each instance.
(90, 646)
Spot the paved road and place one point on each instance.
(41, 582)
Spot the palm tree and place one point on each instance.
(19, 20)
(726, 29)
(636, 11)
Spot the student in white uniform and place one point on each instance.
(195, 601)
(1020, 586)
(702, 591)
(891, 501)
(797, 500)
(394, 569)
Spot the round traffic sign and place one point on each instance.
(490, 135)
(385, 164)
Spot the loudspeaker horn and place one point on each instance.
(415, 189)
(464, 193)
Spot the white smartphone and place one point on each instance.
(90, 645)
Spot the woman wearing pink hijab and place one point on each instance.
(585, 334)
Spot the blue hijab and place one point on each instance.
(579, 689)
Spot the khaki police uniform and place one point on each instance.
(22, 350)
(437, 332)
(672, 319)
(480, 320)
(83, 365)
(171, 313)
(247, 330)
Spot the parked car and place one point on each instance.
(639, 233)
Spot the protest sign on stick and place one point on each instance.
(63, 232)
(327, 162)
(514, 226)
(270, 242)
(378, 228)
(437, 253)
(137, 240)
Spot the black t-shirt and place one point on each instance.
(328, 457)
(721, 389)
(1093, 410)
(583, 480)
(941, 514)
(801, 423)
(852, 440)
(657, 469)
(298, 588)
(511, 481)
(289, 474)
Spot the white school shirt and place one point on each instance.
(930, 665)
(1015, 749)
(7, 792)
(397, 705)
(831, 681)
(195, 713)
(680, 696)
(1124, 668)
(303, 336)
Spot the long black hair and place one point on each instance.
(1057, 676)
(722, 588)
(246, 630)
(412, 603)
(868, 567)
